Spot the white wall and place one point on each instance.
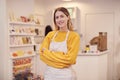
(20, 7)
(39, 7)
(3, 41)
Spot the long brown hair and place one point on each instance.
(65, 11)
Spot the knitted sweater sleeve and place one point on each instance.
(59, 59)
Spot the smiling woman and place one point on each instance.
(60, 48)
(61, 15)
(61, 20)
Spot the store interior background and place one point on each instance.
(99, 14)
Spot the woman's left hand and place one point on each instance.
(43, 49)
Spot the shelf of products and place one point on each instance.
(24, 40)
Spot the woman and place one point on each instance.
(60, 48)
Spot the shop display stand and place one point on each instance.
(24, 41)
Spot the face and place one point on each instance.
(61, 19)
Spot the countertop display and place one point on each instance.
(93, 53)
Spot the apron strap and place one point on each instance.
(55, 35)
(67, 35)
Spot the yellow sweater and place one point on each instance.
(59, 59)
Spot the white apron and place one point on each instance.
(52, 73)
